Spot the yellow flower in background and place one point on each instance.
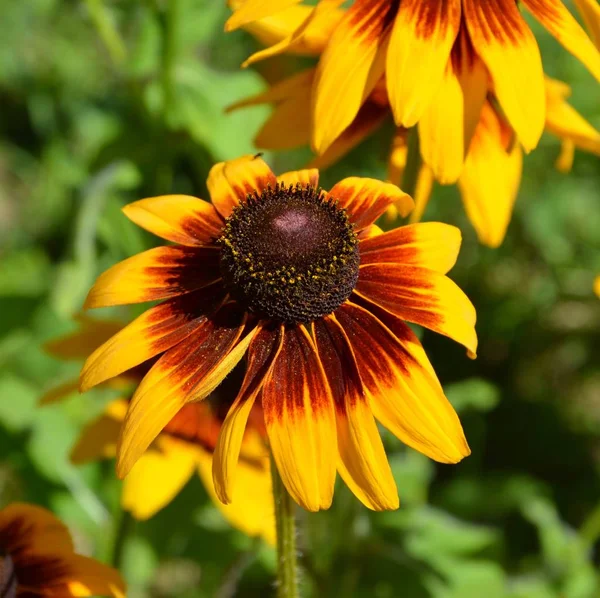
(597, 286)
(439, 60)
(488, 177)
(302, 283)
(37, 558)
(185, 445)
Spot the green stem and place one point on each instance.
(413, 163)
(287, 556)
(121, 533)
(107, 31)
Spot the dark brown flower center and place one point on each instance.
(8, 577)
(289, 254)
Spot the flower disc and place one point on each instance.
(289, 255)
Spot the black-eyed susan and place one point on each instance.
(184, 446)
(490, 174)
(302, 282)
(438, 61)
(37, 558)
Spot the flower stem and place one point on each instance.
(107, 30)
(287, 557)
(120, 537)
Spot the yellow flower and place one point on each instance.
(439, 60)
(597, 286)
(37, 558)
(184, 446)
(490, 175)
(306, 286)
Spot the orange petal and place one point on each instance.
(252, 10)
(82, 576)
(349, 69)
(403, 390)
(509, 50)
(431, 245)
(419, 50)
(554, 16)
(300, 421)
(363, 463)
(367, 199)
(490, 179)
(155, 331)
(29, 528)
(308, 177)
(158, 477)
(188, 372)
(421, 296)
(98, 439)
(262, 352)
(178, 218)
(158, 273)
(231, 182)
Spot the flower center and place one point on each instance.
(8, 577)
(289, 254)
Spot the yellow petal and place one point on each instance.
(362, 463)
(431, 245)
(98, 439)
(510, 52)
(252, 10)
(554, 16)
(419, 50)
(590, 12)
(261, 355)
(349, 69)
(421, 296)
(157, 273)
(403, 390)
(188, 372)
(490, 179)
(83, 576)
(300, 421)
(597, 286)
(231, 182)
(178, 218)
(158, 476)
(252, 510)
(311, 35)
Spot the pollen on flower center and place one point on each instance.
(289, 254)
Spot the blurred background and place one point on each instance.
(104, 102)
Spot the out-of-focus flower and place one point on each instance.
(597, 286)
(491, 173)
(303, 283)
(37, 558)
(185, 445)
(439, 61)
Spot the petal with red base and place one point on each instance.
(421, 296)
(188, 372)
(404, 392)
(158, 273)
(300, 421)
(363, 463)
(366, 199)
(179, 218)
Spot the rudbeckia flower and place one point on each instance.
(303, 283)
(184, 446)
(37, 558)
(490, 174)
(438, 61)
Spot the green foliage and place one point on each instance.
(104, 102)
